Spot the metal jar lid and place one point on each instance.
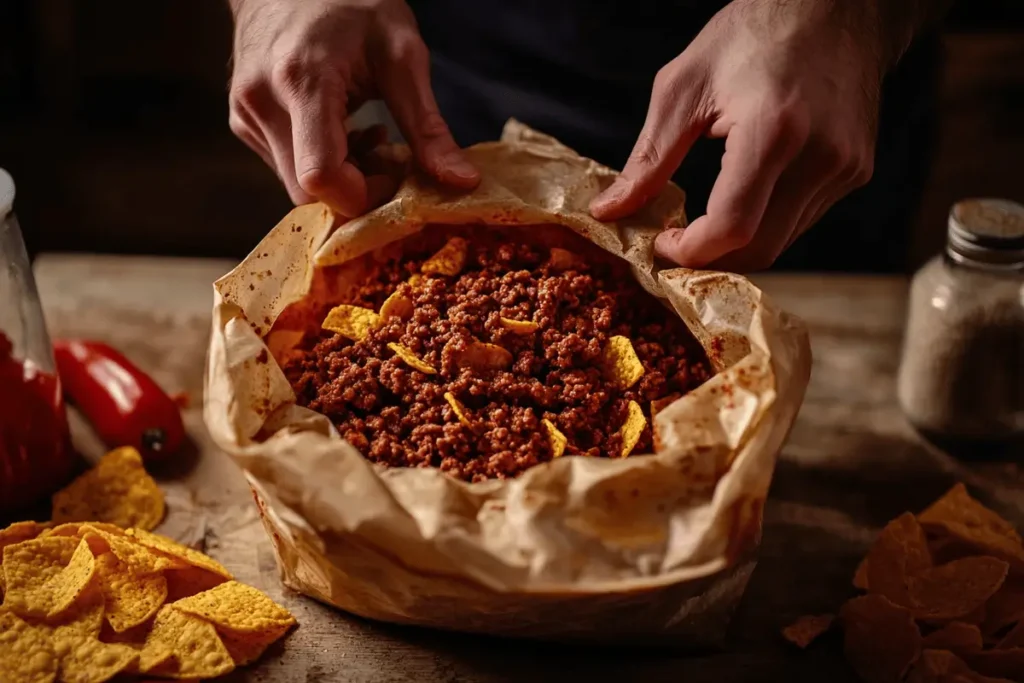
(986, 233)
(6, 193)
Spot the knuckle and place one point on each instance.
(789, 125)
(738, 234)
(646, 153)
(433, 125)
(407, 47)
(245, 94)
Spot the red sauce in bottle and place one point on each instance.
(35, 450)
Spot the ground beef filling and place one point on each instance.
(398, 416)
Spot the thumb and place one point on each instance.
(405, 83)
(674, 122)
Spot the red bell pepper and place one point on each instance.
(125, 406)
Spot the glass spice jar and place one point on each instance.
(961, 377)
(35, 453)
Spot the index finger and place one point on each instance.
(320, 145)
(756, 152)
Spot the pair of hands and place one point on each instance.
(791, 86)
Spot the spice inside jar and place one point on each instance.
(961, 377)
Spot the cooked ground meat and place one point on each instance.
(398, 416)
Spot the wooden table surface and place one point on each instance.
(851, 464)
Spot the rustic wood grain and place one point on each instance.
(851, 464)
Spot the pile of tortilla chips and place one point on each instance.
(85, 602)
(622, 367)
(944, 599)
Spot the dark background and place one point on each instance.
(113, 122)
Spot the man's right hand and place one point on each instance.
(302, 66)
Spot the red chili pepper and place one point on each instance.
(125, 406)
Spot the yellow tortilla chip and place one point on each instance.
(963, 519)
(117, 490)
(396, 306)
(519, 326)
(457, 408)
(956, 636)
(899, 551)
(130, 599)
(807, 629)
(85, 659)
(411, 359)
(84, 618)
(351, 322)
(449, 260)
(622, 366)
(179, 551)
(246, 648)
(21, 531)
(26, 654)
(138, 558)
(69, 585)
(632, 428)
(186, 582)
(881, 640)
(954, 590)
(28, 566)
(483, 356)
(563, 259)
(197, 649)
(555, 438)
(860, 576)
(236, 607)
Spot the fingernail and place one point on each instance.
(456, 164)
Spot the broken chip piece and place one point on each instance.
(351, 322)
(118, 490)
(563, 259)
(807, 629)
(632, 428)
(449, 260)
(396, 306)
(555, 438)
(519, 326)
(483, 356)
(621, 364)
(457, 408)
(411, 359)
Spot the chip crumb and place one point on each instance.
(411, 359)
(117, 490)
(556, 439)
(396, 306)
(808, 628)
(351, 322)
(522, 327)
(632, 428)
(621, 364)
(449, 260)
(458, 409)
(483, 356)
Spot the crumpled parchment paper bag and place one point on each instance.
(651, 549)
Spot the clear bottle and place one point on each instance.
(35, 453)
(961, 377)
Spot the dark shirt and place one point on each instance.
(582, 71)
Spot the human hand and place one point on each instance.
(301, 67)
(793, 87)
